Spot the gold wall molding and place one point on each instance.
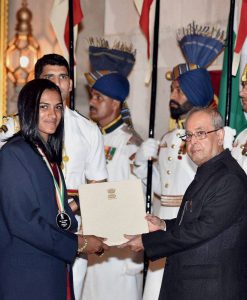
(3, 46)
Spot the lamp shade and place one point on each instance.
(23, 50)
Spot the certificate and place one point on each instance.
(112, 209)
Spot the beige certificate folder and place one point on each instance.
(112, 209)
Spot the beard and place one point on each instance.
(179, 109)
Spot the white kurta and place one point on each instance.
(117, 274)
(176, 172)
(238, 147)
(83, 158)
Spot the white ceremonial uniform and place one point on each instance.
(117, 274)
(239, 150)
(9, 127)
(176, 172)
(84, 149)
(83, 158)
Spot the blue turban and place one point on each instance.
(103, 58)
(111, 67)
(200, 46)
(111, 84)
(197, 87)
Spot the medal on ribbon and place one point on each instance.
(109, 153)
(62, 219)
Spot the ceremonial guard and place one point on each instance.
(10, 126)
(239, 150)
(118, 274)
(83, 152)
(190, 87)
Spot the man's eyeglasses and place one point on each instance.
(200, 135)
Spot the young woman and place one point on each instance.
(37, 243)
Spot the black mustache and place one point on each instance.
(174, 102)
(92, 108)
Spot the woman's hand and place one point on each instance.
(90, 244)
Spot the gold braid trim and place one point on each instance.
(194, 28)
(171, 201)
(117, 45)
(5, 119)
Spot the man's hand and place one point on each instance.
(155, 223)
(134, 243)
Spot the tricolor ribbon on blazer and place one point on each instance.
(59, 189)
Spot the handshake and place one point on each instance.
(135, 241)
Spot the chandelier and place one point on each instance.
(23, 50)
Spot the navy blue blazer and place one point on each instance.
(34, 252)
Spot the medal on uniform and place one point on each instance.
(182, 150)
(109, 152)
(244, 149)
(62, 219)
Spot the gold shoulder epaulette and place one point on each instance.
(4, 127)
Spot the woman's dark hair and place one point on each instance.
(50, 59)
(28, 110)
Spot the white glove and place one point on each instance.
(147, 150)
(229, 137)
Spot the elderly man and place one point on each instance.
(239, 150)
(190, 87)
(206, 244)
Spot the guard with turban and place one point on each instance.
(239, 150)
(118, 274)
(110, 69)
(200, 47)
